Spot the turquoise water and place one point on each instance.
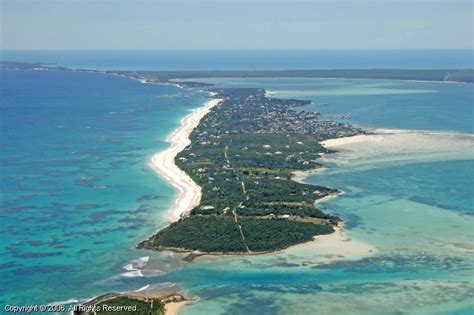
(77, 195)
(417, 214)
(77, 192)
(377, 103)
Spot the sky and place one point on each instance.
(236, 24)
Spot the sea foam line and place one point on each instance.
(134, 267)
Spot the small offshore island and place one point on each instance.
(133, 303)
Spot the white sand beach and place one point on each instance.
(339, 246)
(324, 249)
(383, 146)
(189, 193)
(336, 245)
(173, 308)
(300, 176)
(399, 145)
(365, 151)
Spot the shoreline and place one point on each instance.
(385, 145)
(336, 246)
(319, 243)
(126, 73)
(173, 308)
(414, 143)
(300, 176)
(188, 192)
(173, 301)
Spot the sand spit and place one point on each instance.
(399, 145)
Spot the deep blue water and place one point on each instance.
(250, 60)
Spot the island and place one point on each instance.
(243, 155)
(133, 303)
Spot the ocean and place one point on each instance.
(78, 195)
(77, 191)
(248, 59)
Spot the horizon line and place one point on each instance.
(236, 49)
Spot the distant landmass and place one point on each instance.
(453, 75)
(448, 75)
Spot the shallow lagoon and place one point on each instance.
(376, 103)
(423, 264)
(416, 210)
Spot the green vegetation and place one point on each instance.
(454, 75)
(205, 233)
(450, 75)
(243, 154)
(218, 233)
(262, 235)
(136, 306)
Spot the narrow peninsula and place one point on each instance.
(234, 159)
(242, 155)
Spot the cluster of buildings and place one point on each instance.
(254, 112)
